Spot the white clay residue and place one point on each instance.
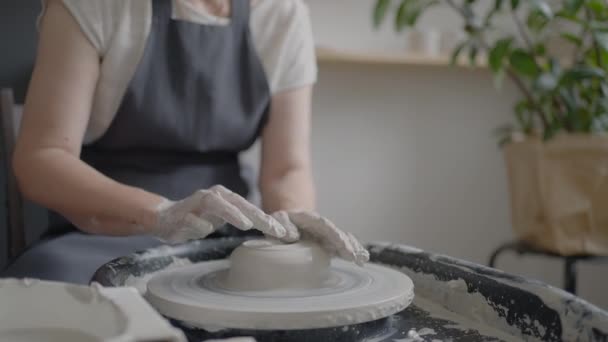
(577, 316)
(459, 322)
(141, 282)
(412, 336)
(575, 324)
(467, 309)
(426, 331)
(454, 296)
(380, 246)
(382, 337)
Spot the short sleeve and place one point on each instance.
(300, 64)
(95, 18)
(286, 44)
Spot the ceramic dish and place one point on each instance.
(33, 310)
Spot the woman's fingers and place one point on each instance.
(199, 225)
(217, 206)
(261, 221)
(361, 254)
(343, 244)
(192, 228)
(292, 234)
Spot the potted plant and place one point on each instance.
(556, 151)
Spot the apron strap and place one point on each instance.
(161, 10)
(240, 13)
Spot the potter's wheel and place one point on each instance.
(268, 285)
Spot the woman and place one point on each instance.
(137, 110)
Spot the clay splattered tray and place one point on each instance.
(35, 310)
(455, 300)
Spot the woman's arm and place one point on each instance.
(56, 113)
(286, 181)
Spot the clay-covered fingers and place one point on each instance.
(190, 228)
(261, 221)
(361, 254)
(343, 244)
(292, 234)
(199, 227)
(217, 206)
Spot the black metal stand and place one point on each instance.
(523, 248)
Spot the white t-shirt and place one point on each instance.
(118, 29)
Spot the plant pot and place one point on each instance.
(559, 193)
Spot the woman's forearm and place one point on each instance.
(58, 180)
(55, 117)
(286, 181)
(290, 190)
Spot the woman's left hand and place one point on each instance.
(310, 225)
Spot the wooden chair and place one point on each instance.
(10, 119)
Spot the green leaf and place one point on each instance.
(523, 114)
(597, 6)
(536, 21)
(524, 63)
(572, 38)
(573, 6)
(602, 39)
(514, 4)
(498, 53)
(582, 72)
(576, 120)
(456, 53)
(569, 17)
(401, 17)
(540, 49)
(604, 58)
(542, 7)
(592, 58)
(380, 11)
(409, 11)
(568, 98)
(413, 16)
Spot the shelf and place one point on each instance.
(332, 55)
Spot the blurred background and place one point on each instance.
(403, 143)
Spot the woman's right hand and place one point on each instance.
(204, 211)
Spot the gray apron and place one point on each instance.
(198, 97)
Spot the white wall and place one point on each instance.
(406, 153)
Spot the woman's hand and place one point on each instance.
(286, 177)
(204, 211)
(309, 225)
